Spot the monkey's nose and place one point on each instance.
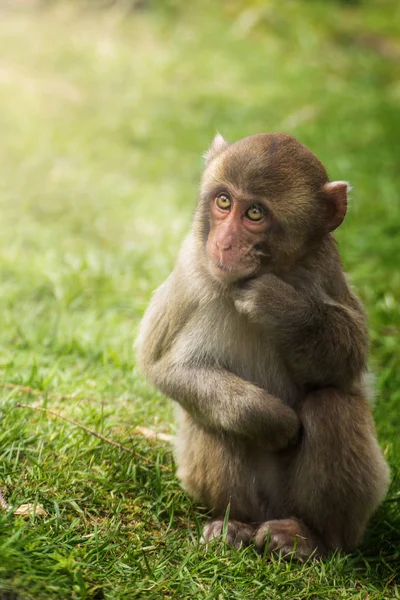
(224, 245)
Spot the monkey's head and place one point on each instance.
(265, 203)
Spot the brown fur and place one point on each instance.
(268, 369)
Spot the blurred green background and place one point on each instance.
(105, 111)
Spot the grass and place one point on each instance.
(104, 116)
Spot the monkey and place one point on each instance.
(260, 341)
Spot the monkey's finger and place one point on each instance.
(235, 533)
(283, 537)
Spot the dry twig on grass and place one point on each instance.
(91, 432)
(152, 435)
(25, 510)
(3, 502)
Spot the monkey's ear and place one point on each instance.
(218, 145)
(336, 194)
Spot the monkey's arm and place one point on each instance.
(215, 397)
(223, 402)
(324, 342)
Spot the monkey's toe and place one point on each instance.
(236, 534)
(285, 537)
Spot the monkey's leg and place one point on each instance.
(238, 534)
(219, 472)
(338, 475)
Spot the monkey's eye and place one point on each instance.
(223, 202)
(255, 212)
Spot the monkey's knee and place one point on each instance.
(340, 463)
(234, 533)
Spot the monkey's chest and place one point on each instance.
(228, 340)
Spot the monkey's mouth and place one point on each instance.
(223, 267)
(229, 273)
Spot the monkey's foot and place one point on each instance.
(286, 537)
(237, 534)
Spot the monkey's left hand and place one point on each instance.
(270, 300)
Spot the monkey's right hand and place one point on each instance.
(268, 299)
(278, 425)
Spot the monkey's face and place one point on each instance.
(264, 203)
(236, 239)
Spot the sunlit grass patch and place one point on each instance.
(104, 117)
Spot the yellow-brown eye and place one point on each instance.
(255, 212)
(223, 202)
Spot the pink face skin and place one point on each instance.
(233, 235)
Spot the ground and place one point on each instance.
(104, 116)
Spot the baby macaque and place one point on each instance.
(259, 339)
